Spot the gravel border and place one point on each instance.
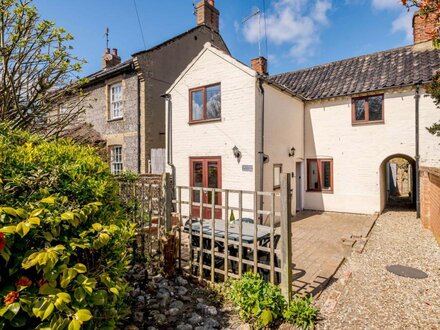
(367, 296)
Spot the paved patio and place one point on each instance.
(321, 241)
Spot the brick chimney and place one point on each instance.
(208, 15)
(259, 64)
(110, 60)
(424, 27)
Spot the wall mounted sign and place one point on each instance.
(247, 168)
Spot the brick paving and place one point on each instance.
(319, 242)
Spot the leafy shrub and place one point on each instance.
(259, 301)
(63, 252)
(33, 168)
(301, 312)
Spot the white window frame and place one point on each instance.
(115, 102)
(116, 163)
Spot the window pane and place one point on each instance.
(326, 175)
(276, 175)
(213, 102)
(197, 105)
(375, 108)
(359, 109)
(197, 180)
(116, 160)
(313, 175)
(212, 179)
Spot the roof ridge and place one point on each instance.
(339, 61)
(163, 43)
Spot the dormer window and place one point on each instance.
(205, 103)
(116, 109)
(368, 109)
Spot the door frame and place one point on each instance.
(205, 160)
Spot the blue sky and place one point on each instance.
(300, 33)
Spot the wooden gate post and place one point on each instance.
(286, 237)
(168, 203)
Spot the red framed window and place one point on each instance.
(205, 103)
(319, 175)
(367, 109)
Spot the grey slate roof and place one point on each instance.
(397, 67)
(110, 72)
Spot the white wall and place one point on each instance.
(236, 128)
(283, 129)
(429, 144)
(358, 151)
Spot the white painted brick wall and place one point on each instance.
(236, 128)
(358, 151)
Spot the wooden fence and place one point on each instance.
(210, 245)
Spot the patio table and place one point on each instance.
(247, 233)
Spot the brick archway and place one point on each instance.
(398, 182)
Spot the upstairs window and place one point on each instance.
(116, 165)
(116, 110)
(320, 175)
(368, 109)
(205, 103)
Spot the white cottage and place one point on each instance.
(333, 127)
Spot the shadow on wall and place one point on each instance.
(398, 182)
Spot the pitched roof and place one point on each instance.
(165, 43)
(128, 65)
(110, 72)
(397, 67)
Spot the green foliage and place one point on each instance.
(434, 91)
(33, 168)
(37, 59)
(301, 312)
(260, 302)
(63, 237)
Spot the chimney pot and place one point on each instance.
(107, 51)
(259, 64)
(115, 51)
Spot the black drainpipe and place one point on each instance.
(417, 99)
(261, 153)
(139, 123)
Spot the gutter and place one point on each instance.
(417, 140)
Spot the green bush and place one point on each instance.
(63, 236)
(301, 312)
(259, 301)
(33, 168)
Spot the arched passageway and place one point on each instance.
(398, 182)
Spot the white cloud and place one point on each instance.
(404, 23)
(387, 4)
(295, 23)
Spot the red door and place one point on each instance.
(206, 173)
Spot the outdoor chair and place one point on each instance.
(264, 257)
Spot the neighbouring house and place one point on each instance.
(334, 127)
(124, 104)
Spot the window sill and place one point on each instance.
(360, 123)
(115, 119)
(320, 191)
(204, 121)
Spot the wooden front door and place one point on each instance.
(206, 173)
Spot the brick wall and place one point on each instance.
(430, 200)
(423, 27)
